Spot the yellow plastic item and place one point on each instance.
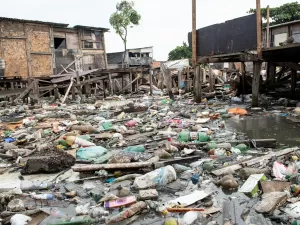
(70, 140)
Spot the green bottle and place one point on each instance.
(76, 220)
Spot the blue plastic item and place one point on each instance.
(195, 178)
(9, 140)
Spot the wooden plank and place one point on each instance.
(67, 92)
(178, 160)
(95, 167)
(254, 161)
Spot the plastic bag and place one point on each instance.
(280, 171)
(97, 154)
(161, 176)
(19, 219)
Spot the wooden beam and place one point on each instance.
(268, 27)
(111, 84)
(259, 28)
(194, 35)
(67, 92)
(294, 66)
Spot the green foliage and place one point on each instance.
(180, 52)
(125, 16)
(282, 14)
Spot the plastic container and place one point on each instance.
(76, 220)
(43, 196)
(27, 185)
(120, 202)
(214, 145)
(136, 148)
(71, 140)
(130, 123)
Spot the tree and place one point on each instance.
(124, 17)
(282, 14)
(180, 52)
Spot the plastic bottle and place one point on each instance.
(43, 196)
(136, 148)
(130, 123)
(242, 147)
(214, 145)
(27, 185)
(76, 220)
(71, 140)
(188, 136)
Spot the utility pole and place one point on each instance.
(257, 64)
(197, 72)
(268, 26)
(194, 41)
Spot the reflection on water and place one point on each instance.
(267, 126)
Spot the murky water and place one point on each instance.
(267, 125)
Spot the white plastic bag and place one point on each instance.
(161, 176)
(280, 171)
(19, 219)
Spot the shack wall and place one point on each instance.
(26, 49)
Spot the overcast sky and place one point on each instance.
(164, 25)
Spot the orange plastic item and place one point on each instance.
(238, 111)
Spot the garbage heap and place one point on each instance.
(142, 160)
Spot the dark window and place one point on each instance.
(87, 44)
(87, 33)
(60, 43)
(134, 54)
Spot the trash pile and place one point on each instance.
(142, 160)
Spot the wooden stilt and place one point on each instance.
(255, 83)
(130, 80)
(293, 80)
(111, 84)
(122, 83)
(271, 73)
(243, 72)
(169, 84)
(198, 85)
(56, 93)
(150, 80)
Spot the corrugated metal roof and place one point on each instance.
(284, 24)
(91, 28)
(61, 25)
(35, 21)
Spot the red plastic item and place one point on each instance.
(130, 123)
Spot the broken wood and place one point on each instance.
(67, 92)
(94, 167)
(185, 209)
(274, 186)
(254, 161)
(177, 161)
